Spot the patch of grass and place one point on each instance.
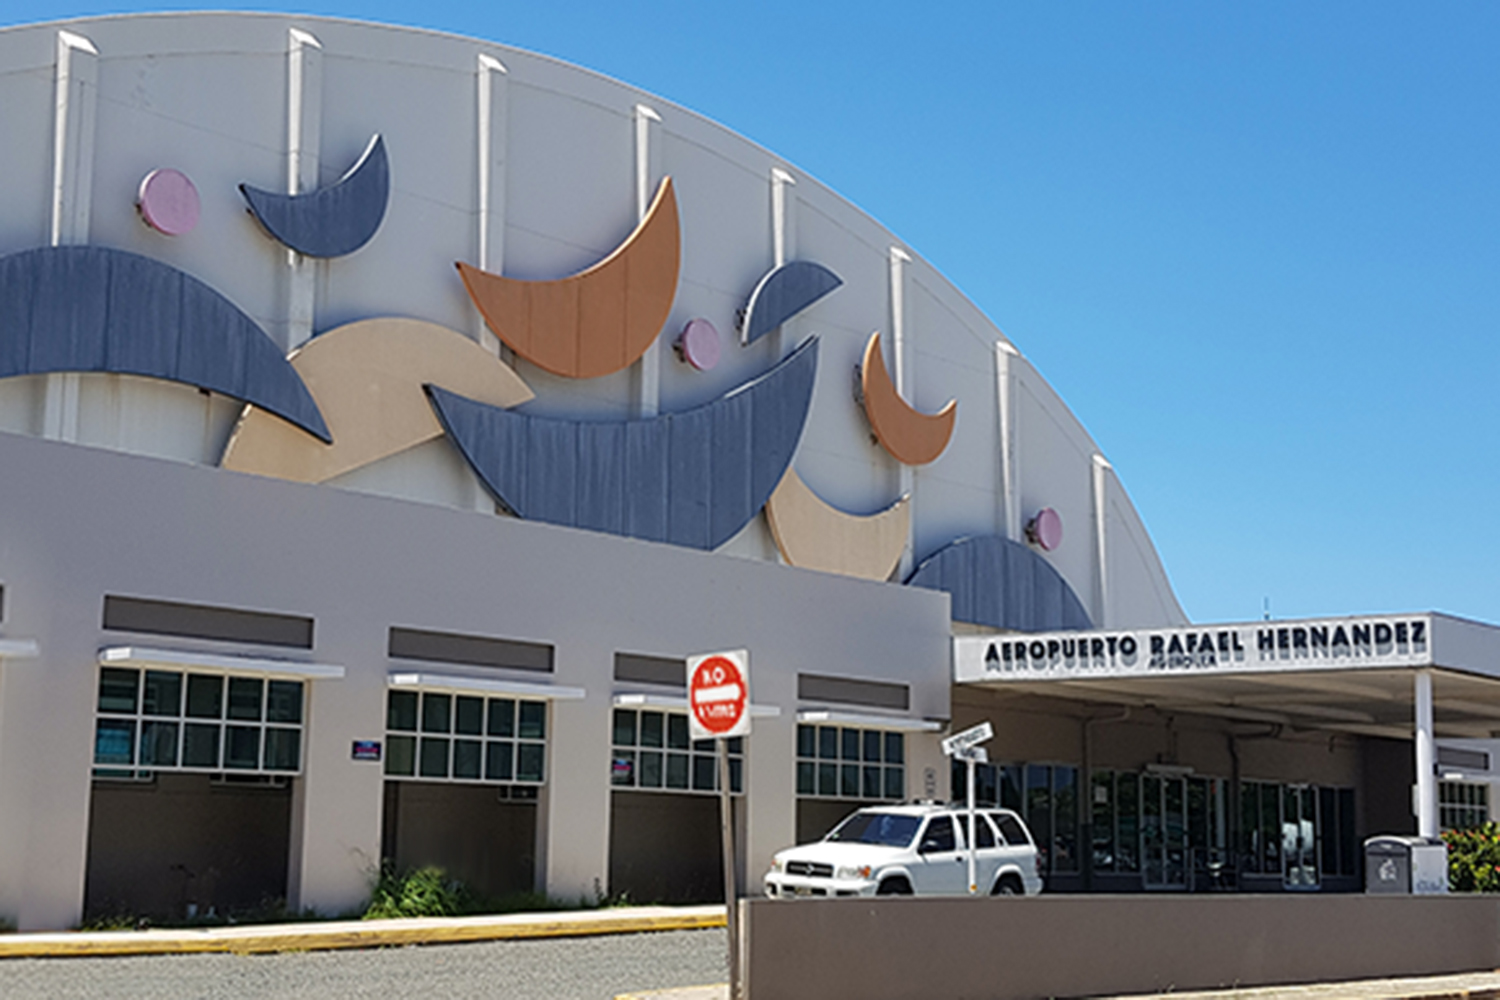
(420, 892)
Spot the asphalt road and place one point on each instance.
(595, 968)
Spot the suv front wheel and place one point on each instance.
(895, 886)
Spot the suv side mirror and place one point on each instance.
(929, 844)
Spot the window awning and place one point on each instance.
(871, 721)
(466, 684)
(679, 703)
(19, 649)
(143, 657)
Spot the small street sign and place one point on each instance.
(968, 738)
(719, 694)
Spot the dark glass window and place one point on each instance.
(401, 711)
(117, 690)
(162, 693)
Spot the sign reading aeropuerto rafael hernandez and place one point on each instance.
(1366, 642)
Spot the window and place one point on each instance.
(1045, 795)
(938, 837)
(842, 762)
(1270, 810)
(168, 720)
(1463, 804)
(652, 750)
(994, 784)
(438, 736)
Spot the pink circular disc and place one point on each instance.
(168, 202)
(699, 344)
(1045, 529)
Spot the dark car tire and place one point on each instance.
(894, 887)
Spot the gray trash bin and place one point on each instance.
(1397, 864)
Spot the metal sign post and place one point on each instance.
(965, 746)
(731, 889)
(719, 709)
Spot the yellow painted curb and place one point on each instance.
(251, 941)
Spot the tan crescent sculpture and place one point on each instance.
(367, 378)
(912, 437)
(601, 319)
(813, 535)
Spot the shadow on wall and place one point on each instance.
(183, 846)
(474, 836)
(815, 817)
(666, 848)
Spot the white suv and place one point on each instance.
(910, 849)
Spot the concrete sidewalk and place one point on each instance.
(322, 936)
(1464, 986)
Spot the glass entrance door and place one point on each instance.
(1299, 841)
(1164, 826)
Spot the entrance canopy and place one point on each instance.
(1355, 675)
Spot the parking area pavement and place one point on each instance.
(580, 968)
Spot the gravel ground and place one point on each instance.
(596, 968)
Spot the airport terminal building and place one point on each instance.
(387, 415)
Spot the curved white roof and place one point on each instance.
(525, 165)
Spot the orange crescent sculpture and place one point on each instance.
(601, 319)
(367, 378)
(912, 437)
(813, 534)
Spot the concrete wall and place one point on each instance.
(82, 522)
(1074, 947)
(1051, 730)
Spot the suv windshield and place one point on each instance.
(885, 829)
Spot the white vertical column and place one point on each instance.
(493, 128)
(783, 239)
(645, 387)
(901, 366)
(1426, 791)
(76, 90)
(304, 91)
(1101, 540)
(1010, 500)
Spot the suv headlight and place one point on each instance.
(776, 864)
(850, 871)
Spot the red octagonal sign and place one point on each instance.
(719, 694)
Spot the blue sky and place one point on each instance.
(1255, 247)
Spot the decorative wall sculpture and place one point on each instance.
(814, 535)
(601, 319)
(93, 309)
(1003, 584)
(783, 293)
(367, 378)
(331, 221)
(911, 437)
(168, 202)
(693, 478)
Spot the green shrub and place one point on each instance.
(1474, 858)
(422, 892)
